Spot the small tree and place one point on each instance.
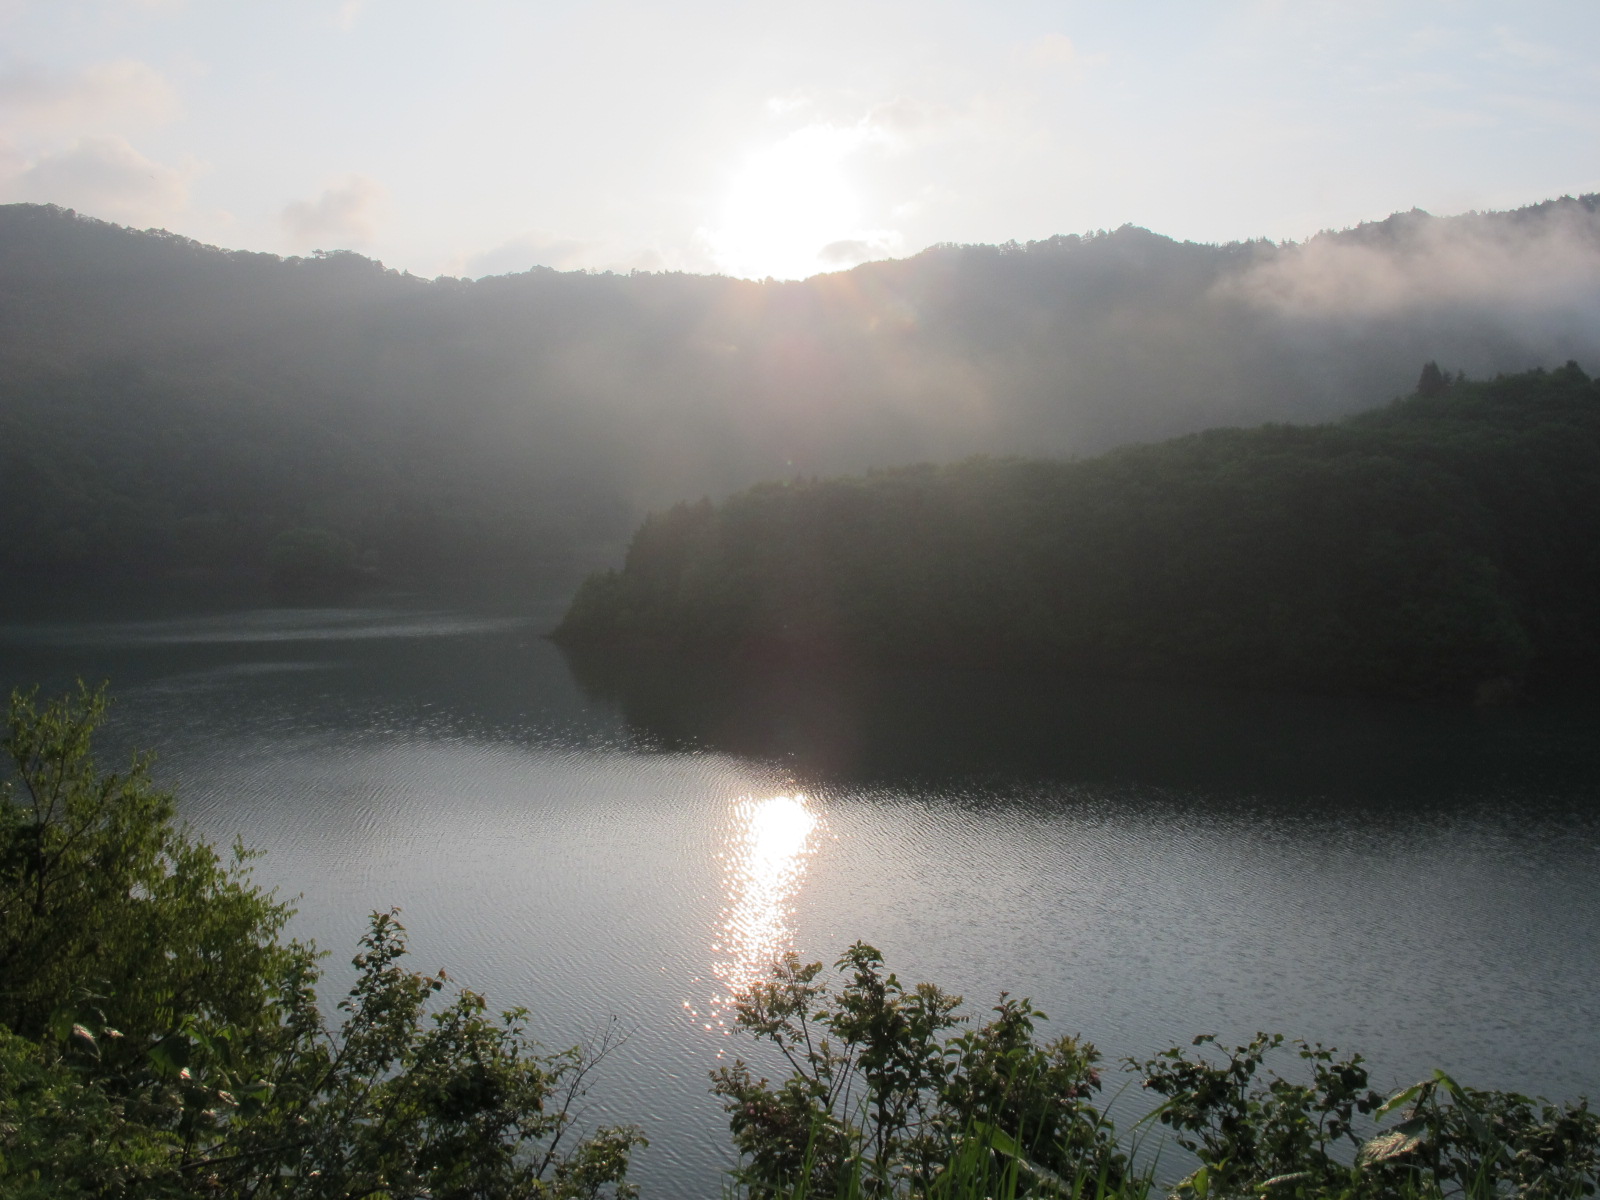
(108, 910)
(1433, 381)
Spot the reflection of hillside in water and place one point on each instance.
(846, 725)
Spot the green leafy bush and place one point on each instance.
(885, 1093)
(1257, 1132)
(885, 1099)
(159, 1037)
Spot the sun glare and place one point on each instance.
(787, 203)
(764, 868)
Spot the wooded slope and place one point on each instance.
(1445, 545)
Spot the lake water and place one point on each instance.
(1418, 884)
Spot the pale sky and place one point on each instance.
(476, 137)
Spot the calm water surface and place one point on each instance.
(625, 842)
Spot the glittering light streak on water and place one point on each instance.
(763, 867)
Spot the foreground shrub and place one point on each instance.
(159, 1037)
(885, 1099)
(884, 1094)
(1254, 1130)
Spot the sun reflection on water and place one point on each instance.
(763, 868)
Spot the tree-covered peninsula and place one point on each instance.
(1443, 546)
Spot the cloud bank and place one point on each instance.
(106, 176)
(61, 140)
(345, 214)
(1547, 258)
(112, 95)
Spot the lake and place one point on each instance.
(617, 840)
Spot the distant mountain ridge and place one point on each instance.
(167, 404)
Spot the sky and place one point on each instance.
(750, 138)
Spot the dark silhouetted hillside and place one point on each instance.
(166, 404)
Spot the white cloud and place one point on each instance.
(538, 248)
(349, 13)
(1518, 49)
(159, 8)
(793, 102)
(106, 177)
(12, 161)
(344, 215)
(852, 252)
(529, 250)
(1548, 260)
(113, 95)
(1060, 55)
(902, 120)
(1054, 50)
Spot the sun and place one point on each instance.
(788, 203)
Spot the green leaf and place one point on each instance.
(997, 1139)
(1199, 1183)
(161, 1055)
(1402, 1097)
(61, 1024)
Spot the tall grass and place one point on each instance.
(987, 1165)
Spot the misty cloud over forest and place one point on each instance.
(547, 411)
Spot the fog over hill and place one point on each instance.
(168, 404)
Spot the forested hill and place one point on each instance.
(167, 404)
(1442, 546)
